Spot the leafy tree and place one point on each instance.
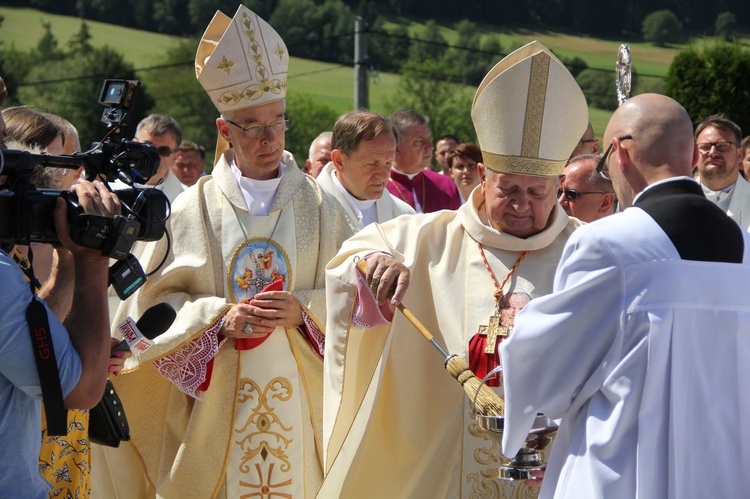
(171, 16)
(75, 83)
(599, 88)
(662, 27)
(322, 32)
(715, 80)
(47, 46)
(469, 55)
(178, 94)
(428, 44)
(425, 87)
(574, 64)
(200, 12)
(137, 15)
(388, 49)
(726, 25)
(308, 119)
(80, 43)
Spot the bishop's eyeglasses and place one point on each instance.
(255, 131)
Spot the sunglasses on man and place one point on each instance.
(163, 151)
(572, 194)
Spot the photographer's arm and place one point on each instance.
(88, 322)
(58, 289)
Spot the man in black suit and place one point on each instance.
(645, 333)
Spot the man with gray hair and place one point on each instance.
(319, 155)
(362, 156)
(412, 180)
(165, 134)
(395, 423)
(236, 381)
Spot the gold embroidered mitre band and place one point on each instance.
(529, 113)
(241, 62)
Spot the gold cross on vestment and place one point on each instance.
(492, 331)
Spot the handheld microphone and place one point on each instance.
(138, 335)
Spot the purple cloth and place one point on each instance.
(434, 191)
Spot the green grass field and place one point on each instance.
(23, 28)
(326, 83)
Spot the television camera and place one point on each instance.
(26, 212)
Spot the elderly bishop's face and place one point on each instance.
(519, 205)
(257, 156)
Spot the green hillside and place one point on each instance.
(647, 59)
(330, 84)
(23, 28)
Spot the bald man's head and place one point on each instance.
(660, 143)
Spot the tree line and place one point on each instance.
(319, 22)
(436, 78)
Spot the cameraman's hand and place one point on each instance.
(94, 198)
(117, 359)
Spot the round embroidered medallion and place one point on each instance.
(257, 263)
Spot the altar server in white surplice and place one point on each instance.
(361, 159)
(228, 402)
(643, 348)
(396, 424)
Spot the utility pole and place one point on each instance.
(361, 98)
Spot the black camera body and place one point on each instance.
(26, 213)
(27, 216)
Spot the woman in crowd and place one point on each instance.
(462, 163)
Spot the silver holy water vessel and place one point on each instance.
(529, 458)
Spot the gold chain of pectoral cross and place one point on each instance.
(495, 329)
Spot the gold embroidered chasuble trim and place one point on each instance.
(170, 470)
(369, 441)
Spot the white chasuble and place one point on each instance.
(396, 423)
(256, 427)
(267, 444)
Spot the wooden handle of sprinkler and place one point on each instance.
(362, 267)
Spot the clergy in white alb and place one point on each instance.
(363, 148)
(228, 402)
(643, 348)
(396, 424)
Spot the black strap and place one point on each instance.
(46, 365)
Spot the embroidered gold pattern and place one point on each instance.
(532, 126)
(262, 437)
(524, 166)
(226, 64)
(265, 489)
(265, 82)
(279, 51)
(485, 484)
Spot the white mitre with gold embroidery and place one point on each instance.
(241, 62)
(529, 113)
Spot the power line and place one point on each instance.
(396, 69)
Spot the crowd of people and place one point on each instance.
(591, 271)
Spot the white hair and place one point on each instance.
(324, 135)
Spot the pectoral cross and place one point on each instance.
(492, 331)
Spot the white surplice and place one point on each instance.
(645, 358)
